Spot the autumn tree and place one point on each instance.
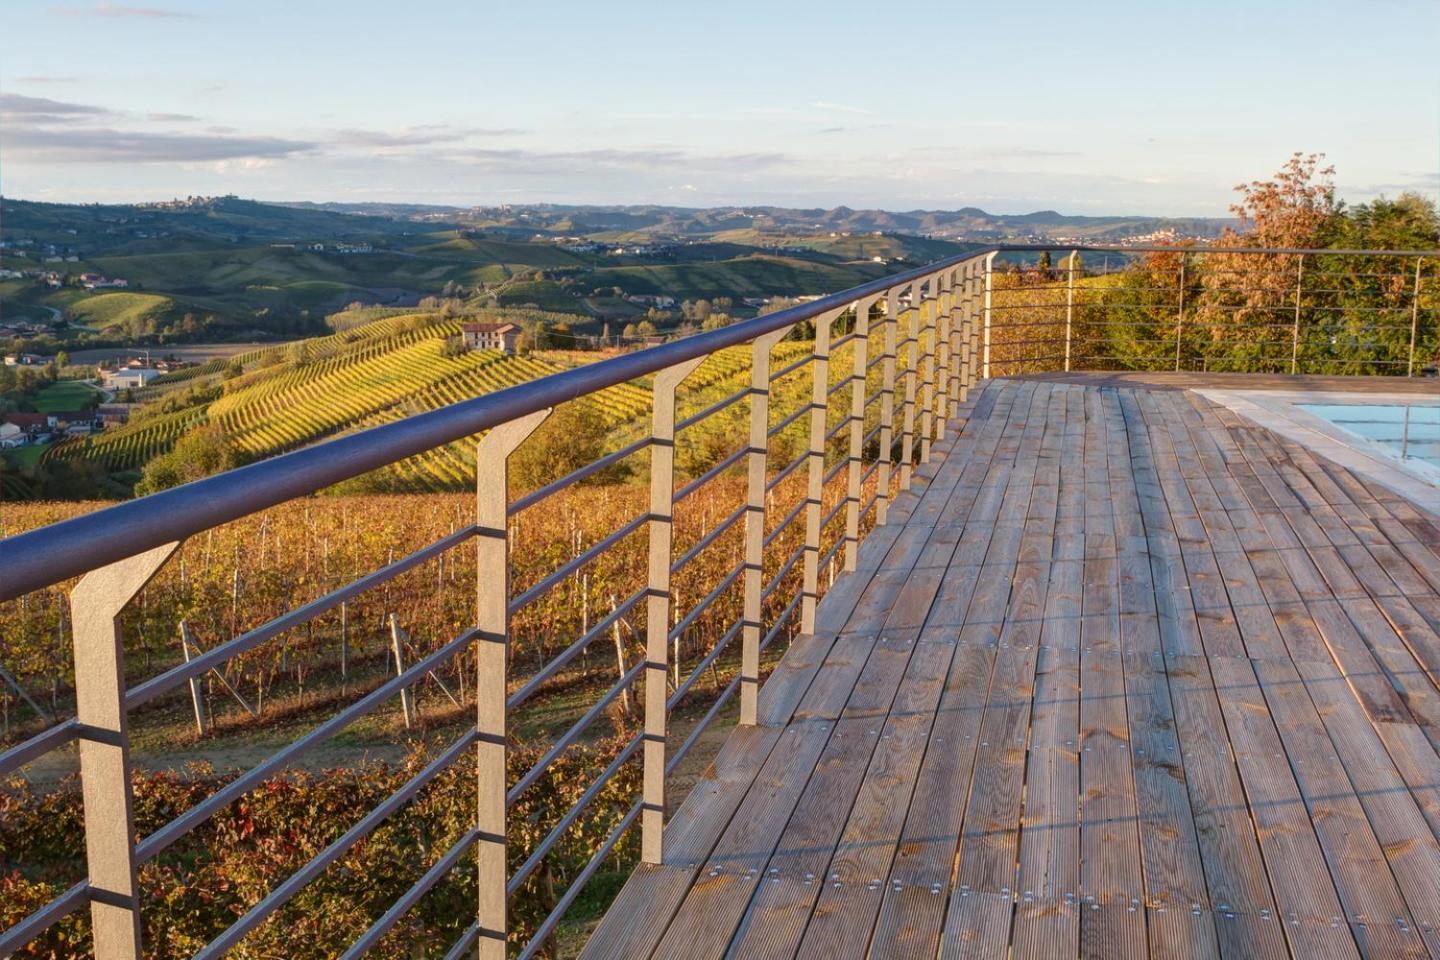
(1246, 307)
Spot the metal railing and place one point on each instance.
(1212, 309)
(910, 347)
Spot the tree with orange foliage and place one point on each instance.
(1247, 303)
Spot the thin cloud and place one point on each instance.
(104, 145)
(172, 118)
(519, 160)
(105, 8)
(417, 136)
(46, 78)
(838, 107)
(1024, 152)
(16, 108)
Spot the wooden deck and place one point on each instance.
(1125, 676)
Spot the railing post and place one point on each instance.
(912, 365)
(977, 303)
(757, 462)
(1074, 260)
(887, 405)
(989, 302)
(1180, 313)
(1295, 336)
(95, 605)
(1414, 319)
(929, 308)
(815, 488)
(857, 431)
(967, 329)
(658, 601)
(957, 338)
(943, 306)
(492, 622)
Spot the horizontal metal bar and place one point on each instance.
(709, 475)
(834, 431)
(152, 845)
(705, 661)
(465, 946)
(216, 656)
(570, 567)
(709, 538)
(38, 745)
(780, 621)
(573, 734)
(791, 367)
(26, 930)
(783, 573)
(1192, 250)
(837, 344)
(410, 897)
(543, 932)
(874, 396)
(696, 611)
(575, 476)
(537, 856)
(830, 554)
(296, 882)
(714, 408)
(569, 653)
(773, 535)
(834, 512)
(785, 471)
(715, 708)
(834, 471)
(806, 408)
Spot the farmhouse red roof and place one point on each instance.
(488, 327)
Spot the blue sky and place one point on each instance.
(1102, 107)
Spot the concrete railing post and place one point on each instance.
(857, 431)
(492, 620)
(815, 486)
(658, 603)
(887, 405)
(912, 365)
(95, 606)
(757, 463)
(989, 305)
(929, 307)
(1073, 262)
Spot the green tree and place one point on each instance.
(199, 453)
(571, 437)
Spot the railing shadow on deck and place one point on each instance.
(889, 363)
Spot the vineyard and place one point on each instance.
(288, 397)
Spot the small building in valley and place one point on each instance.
(491, 336)
(129, 378)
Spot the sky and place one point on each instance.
(1112, 107)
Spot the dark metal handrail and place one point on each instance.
(39, 558)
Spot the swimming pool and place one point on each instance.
(1410, 431)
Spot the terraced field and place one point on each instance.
(289, 397)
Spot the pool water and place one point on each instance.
(1410, 431)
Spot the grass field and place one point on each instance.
(117, 309)
(64, 395)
